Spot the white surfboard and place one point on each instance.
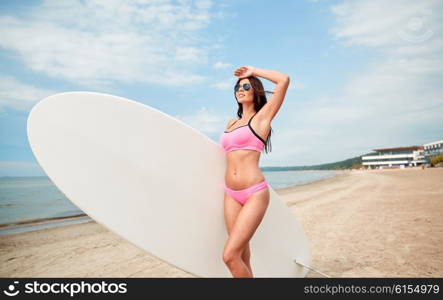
(156, 182)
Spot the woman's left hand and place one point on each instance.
(244, 71)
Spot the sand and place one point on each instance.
(378, 223)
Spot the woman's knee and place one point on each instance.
(230, 255)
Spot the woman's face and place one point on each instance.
(242, 95)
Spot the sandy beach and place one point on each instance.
(378, 223)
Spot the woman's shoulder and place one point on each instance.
(230, 123)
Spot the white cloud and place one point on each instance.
(386, 23)
(222, 65)
(191, 55)
(18, 95)
(296, 85)
(203, 120)
(405, 78)
(225, 84)
(94, 43)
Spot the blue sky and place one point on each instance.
(364, 74)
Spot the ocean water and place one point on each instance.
(32, 198)
(283, 179)
(29, 198)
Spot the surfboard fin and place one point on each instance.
(310, 268)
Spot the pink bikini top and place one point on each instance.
(243, 137)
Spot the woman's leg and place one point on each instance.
(242, 231)
(246, 257)
(231, 209)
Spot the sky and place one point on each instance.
(365, 74)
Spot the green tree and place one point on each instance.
(436, 159)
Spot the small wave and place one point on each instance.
(34, 221)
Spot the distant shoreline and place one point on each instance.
(15, 177)
(42, 223)
(39, 220)
(289, 189)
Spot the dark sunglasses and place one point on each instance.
(246, 87)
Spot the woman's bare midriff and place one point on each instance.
(242, 170)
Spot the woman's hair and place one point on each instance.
(259, 101)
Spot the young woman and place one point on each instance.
(246, 190)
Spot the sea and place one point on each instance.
(33, 203)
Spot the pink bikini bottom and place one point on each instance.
(243, 195)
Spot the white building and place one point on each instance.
(395, 157)
(433, 149)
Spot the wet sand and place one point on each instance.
(378, 223)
